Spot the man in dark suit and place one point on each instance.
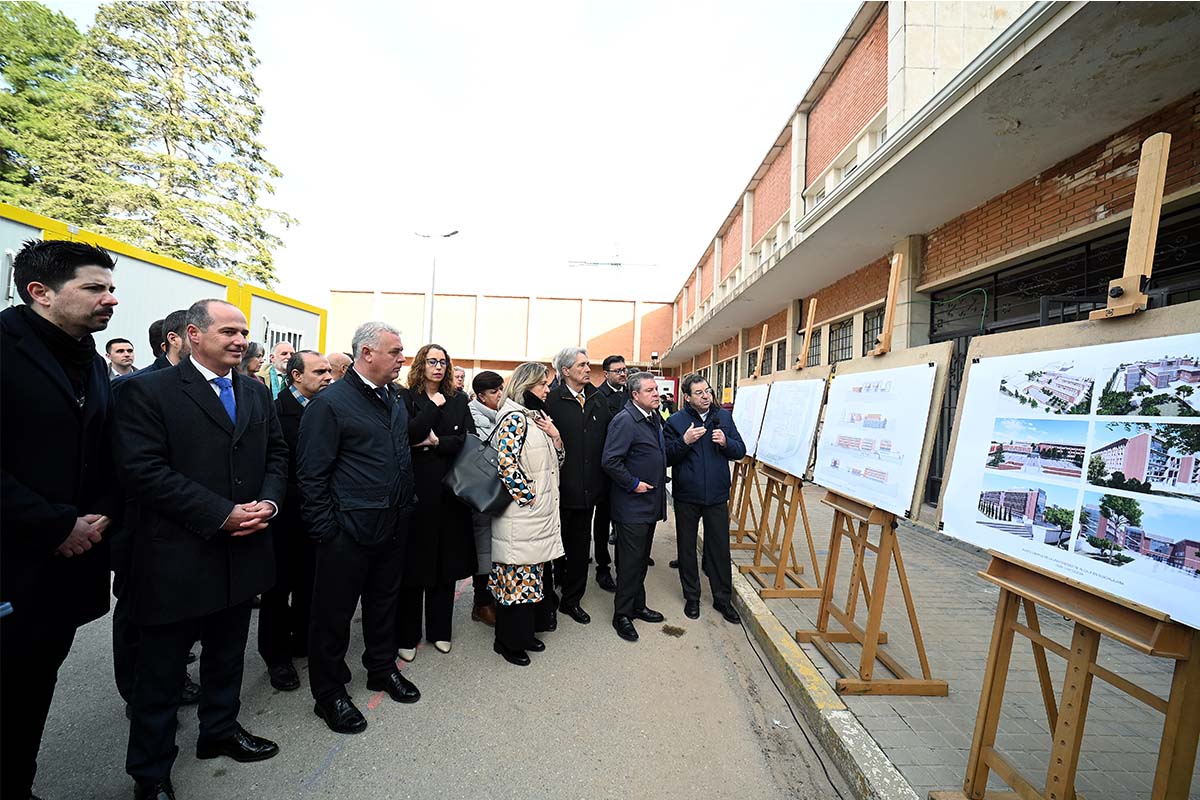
(204, 465)
(58, 496)
(701, 441)
(581, 416)
(172, 330)
(354, 468)
(283, 617)
(616, 395)
(635, 458)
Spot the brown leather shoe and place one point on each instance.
(485, 614)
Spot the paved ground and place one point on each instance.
(686, 712)
(928, 738)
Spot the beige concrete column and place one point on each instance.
(585, 321)
(799, 156)
(716, 264)
(475, 343)
(794, 310)
(530, 328)
(637, 331)
(912, 308)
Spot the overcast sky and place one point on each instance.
(545, 132)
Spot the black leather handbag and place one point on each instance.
(475, 476)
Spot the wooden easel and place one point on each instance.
(744, 486)
(1095, 615)
(853, 520)
(775, 563)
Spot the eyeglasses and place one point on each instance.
(436, 362)
(620, 371)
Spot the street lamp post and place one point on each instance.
(432, 283)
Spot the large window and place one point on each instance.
(814, 349)
(841, 341)
(872, 327)
(751, 362)
(780, 357)
(768, 359)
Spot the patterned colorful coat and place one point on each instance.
(529, 530)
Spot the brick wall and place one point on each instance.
(776, 328)
(773, 196)
(1083, 189)
(706, 276)
(857, 289)
(703, 358)
(731, 246)
(727, 348)
(656, 329)
(689, 296)
(856, 94)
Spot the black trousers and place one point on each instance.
(633, 559)
(345, 572)
(283, 619)
(124, 631)
(32, 648)
(438, 603)
(483, 595)
(162, 656)
(716, 549)
(577, 542)
(600, 528)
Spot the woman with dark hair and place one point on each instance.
(528, 533)
(252, 361)
(488, 388)
(441, 549)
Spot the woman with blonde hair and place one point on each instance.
(441, 548)
(528, 534)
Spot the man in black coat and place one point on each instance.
(354, 470)
(204, 465)
(58, 494)
(284, 615)
(701, 442)
(616, 395)
(635, 458)
(582, 417)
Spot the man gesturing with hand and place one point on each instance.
(635, 458)
(204, 464)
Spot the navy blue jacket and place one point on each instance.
(700, 471)
(635, 451)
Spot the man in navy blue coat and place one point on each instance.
(701, 441)
(635, 458)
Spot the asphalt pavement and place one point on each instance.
(689, 711)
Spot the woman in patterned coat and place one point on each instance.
(528, 533)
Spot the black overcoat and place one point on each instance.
(583, 429)
(441, 548)
(615, 400)
(184, 465)
(56, 467)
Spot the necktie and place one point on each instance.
(581, 399)
(226, 387)
(384, 396)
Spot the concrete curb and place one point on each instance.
(870, 773)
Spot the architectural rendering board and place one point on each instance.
(748, 408)
(1086, 460)
(874, 434)
(790, 424)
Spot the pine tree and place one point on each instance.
(195, 172)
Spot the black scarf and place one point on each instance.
(75, 356)
(531, 401)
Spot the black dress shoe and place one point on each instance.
(691, 609)
(648, 615)
(154, 791)
(341, 715)
(284, 677)
(605, 581)
(576, 613)
(537, 646)
(623, 625)
(673, 563)
(191, 692)
(398, 687)
(241, 746)
(515, 657)
(551, 626)
(650, 561)
(728, 612)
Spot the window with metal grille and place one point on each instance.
(841, 344)
(780, 357)
(814, 349)
(872, 327)
(768, 359)
(751, 362)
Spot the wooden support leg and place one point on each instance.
(912, 610)
(858, 570)
(1181, 731)
(787, 552)
(992, 696)
(883, 564)
(1072, 713)
(812, 548)
(831, 562)
(1043, 668)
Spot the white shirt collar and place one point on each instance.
(208, 374)
(572, 391)
(645, 413)
(615, 388)
(364, 380)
